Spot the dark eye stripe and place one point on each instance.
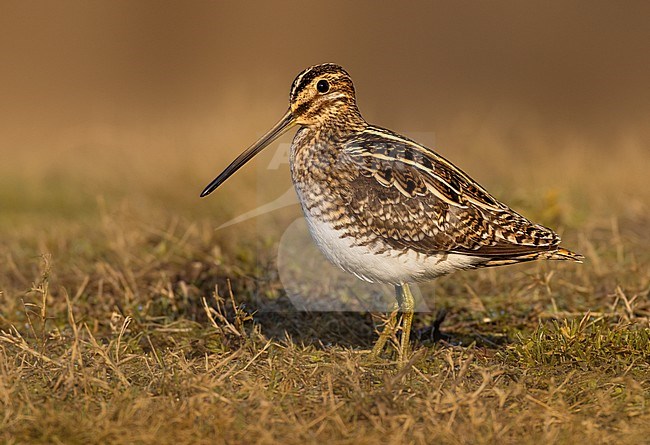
(307, 77)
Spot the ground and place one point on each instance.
(127, 320)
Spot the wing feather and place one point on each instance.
(412, 198)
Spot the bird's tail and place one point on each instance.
(560, 254)
(563, 254)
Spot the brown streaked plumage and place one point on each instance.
(386, 208)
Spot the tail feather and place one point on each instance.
(560, 254)
(563, 254)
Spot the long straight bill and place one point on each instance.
(278, 130)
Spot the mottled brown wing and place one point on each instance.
(410, 197)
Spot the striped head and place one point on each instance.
(323, 94)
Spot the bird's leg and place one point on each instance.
(407, 307)
(388, 330)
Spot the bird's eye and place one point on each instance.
(323, 86)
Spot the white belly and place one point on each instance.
(388, 267)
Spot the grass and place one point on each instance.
(123, 322)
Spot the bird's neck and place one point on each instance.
(340, 126)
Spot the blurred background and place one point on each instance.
(106, 101)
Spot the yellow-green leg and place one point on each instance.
(388, 330)
(407, 307)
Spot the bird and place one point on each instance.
(386, 208)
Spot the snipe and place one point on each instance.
(386, 208)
